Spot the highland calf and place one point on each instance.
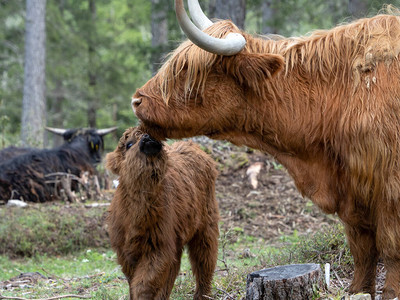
(326, 106)
(165, 200)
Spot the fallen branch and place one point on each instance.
(338, 278)
(51, 298)
(52, 275)
(225, 292)
(63, 174)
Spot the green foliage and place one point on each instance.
(328, 245)
(120, 36)
(120, 61)
(12, 27)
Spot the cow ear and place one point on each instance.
(253, 69)
(113, 162)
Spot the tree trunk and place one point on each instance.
(291, 282)
(268, 18)
(34, 98)
(159, 32)
(234, 10)
(212, 8)
(56, 119)
(358, 8)
(92, 79)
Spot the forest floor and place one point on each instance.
(272, 213)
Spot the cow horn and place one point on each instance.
(198, 17)
(105, 131)
(58, 131)
(232, 44)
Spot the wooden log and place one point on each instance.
(296, 282)
(66, 185)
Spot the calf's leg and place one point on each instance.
(363, 248)
(151, 275)
(174, 271)
(203, 252)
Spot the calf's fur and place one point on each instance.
(165, 200)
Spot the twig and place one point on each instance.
(338, 278)
(225, 292)
(230, 281)
(52, 275)
(51, 298)
(95, 275)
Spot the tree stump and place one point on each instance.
(284, 282)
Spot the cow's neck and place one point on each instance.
(290, 126)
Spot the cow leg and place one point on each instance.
(151, 275)
(391, 288)
(388, 243)
(172, 275)
(128, 270)
(131, 296)
(203, 253)
(363, 248)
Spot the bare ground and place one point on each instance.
(272, 209)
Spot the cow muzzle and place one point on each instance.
(149, 146)
(135, 103)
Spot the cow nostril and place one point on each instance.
(136, 102)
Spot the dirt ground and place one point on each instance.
(272, 209)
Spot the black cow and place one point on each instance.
(12, 151)
(24, 176)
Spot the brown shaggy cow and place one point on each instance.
(326, 106)
(165, 200)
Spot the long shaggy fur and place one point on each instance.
(164, 201)
(327, 106)
(12, 151)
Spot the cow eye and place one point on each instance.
(130, 144)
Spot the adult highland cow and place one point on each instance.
(165, 200)
(326, 106)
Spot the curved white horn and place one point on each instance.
(232, 44)
(58, 131)
(105, 131)
(197, 15)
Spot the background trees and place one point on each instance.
(99, 52)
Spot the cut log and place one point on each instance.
(295, 282)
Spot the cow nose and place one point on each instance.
(135, 103)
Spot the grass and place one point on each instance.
(53, 229)
(96, 273)
(70, 248)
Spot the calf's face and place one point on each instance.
(138, 158)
